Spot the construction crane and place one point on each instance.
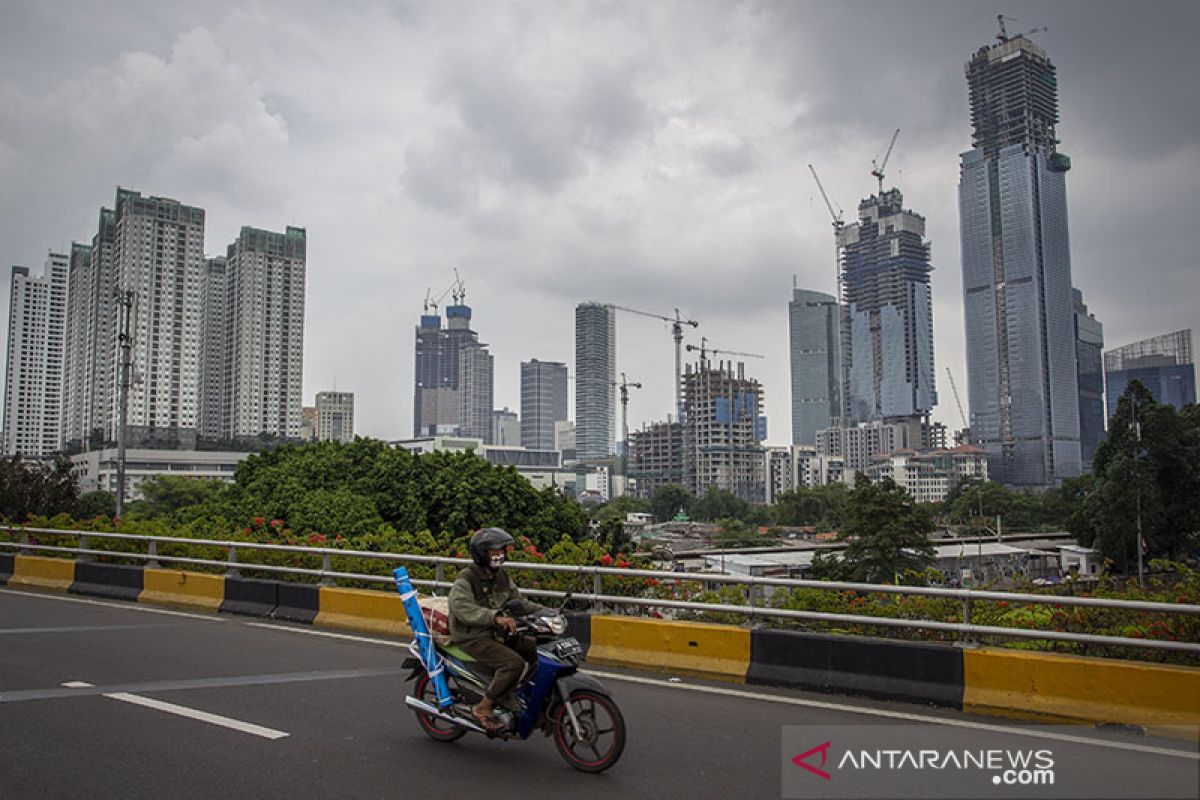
(958, 403)
(1003, 34)
(460, 289)
(625, 385)
(430, 302)
(877, 171)
(705, 350)
(677, 323)
(836, 216)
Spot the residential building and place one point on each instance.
(1089, 364)
(33, 374)
(335, 416)
(723, 431)
(88, 372)
(779, 472)
(543, 401)
(929, 475)
(1016, 263)
(858, 445)
(1163, 364)
(811, 468)
(813, 328)
(889, 311)
(215, 339)
(656, 456)
(595, 376)
(506, 429)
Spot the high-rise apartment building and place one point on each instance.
(1163, 364)
(889, 311)
(33, 375)
(454, 377)
(813, 328)
(89, 368)
(723, 430)
(1089, 364)
(595, 376)
(264, 336)
(543, 402)
(335, 416)
(215, 390)
(1021, 370)
(656, 456)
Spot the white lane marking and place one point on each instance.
(327, 634)
(203, 716)
(879, 712)
(78, 685)
(797, 701)
(129, 605)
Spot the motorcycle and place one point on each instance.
(557, 699)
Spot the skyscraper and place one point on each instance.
(889, 311)
(264, 334)
(1089, 343)
(1163, 364)
(723, 429)
(812, 331)
(215, 395)
(1021, 370)
(543, 402)
(33, 389)
(89, 370)
(595, 376)
(454, 377)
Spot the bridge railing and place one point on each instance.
(753, 609)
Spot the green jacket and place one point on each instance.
(476, 598)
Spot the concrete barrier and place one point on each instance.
(44, 573)
(363, 610)
(298, 602)
(713, 651)
(1046, 686)
(107, 580)
(250, 596)
(6, 567)
(176, 587)
(917, 672)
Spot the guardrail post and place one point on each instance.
(232, 572)
(153, 553)
(597, 588)
(83, 543)
(966, 618)
(25, 541)
(439, 575)
(326, 568)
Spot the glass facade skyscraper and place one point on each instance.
(453, 377)
(543, 402)
(1163, 364)
(1089, 344)
(889, 311)
(595, 376)
(812, 334)
(1019, 311)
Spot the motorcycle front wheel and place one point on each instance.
(434, 728)
(601, 736)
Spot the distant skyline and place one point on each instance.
(650, 155)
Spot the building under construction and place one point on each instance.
(656, 457)
(723, 430)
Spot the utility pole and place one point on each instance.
(1137, 483)
(125, 300)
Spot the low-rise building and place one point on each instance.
(96, 470)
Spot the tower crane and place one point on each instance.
(677, 323)
(836, 216)
(625, 385)
(877, 171)
(1003, 36)
(430, 302)
(460, 289)
(705, 350)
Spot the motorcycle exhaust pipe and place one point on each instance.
(433, 711)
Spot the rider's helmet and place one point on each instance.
(485, 540)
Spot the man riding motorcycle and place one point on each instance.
(479, 625)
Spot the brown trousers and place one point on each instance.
(507, 661)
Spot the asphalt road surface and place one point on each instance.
(106, 699)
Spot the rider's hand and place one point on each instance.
(506, 623)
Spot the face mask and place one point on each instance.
(496, 561)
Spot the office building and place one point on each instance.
(723, 431)
(96, 470)
(335, 416)
(889, 311)
(543, 402)
(816, 388)
(1163, 364)
(506, 429)
(454, 377)
(33, 374)
(1089, 363)
(595, 376)
(1020, 338)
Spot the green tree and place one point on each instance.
(717, 504)
(886, 530)
(163, 495)
(30, 487)
(819, 505)
(736, 533)
(667, 501)
(96, 504)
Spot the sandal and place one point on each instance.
(488, 721)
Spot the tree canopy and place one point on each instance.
(886, 531)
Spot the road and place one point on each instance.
(111, 699)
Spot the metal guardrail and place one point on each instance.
(966, 631)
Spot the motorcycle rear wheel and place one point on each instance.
(602, 738)
(436, 729)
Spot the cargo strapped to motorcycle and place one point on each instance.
(426, 649)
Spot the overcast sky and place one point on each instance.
(649, 154)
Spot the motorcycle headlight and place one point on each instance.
(557, 625)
